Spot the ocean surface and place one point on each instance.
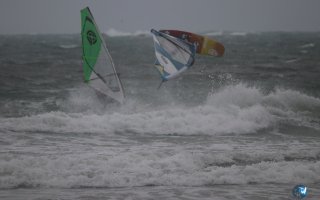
(244, 126)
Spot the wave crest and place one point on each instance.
(116, 33)
(235, 109)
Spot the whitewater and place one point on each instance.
(245, 126)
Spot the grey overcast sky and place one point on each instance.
(63, 16)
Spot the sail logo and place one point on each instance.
(91, 37)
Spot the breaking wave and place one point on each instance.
(145, 165)
(235, 109)
(116, 33)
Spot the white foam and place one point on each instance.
(281, 104)
(239, 33)
(235, 109)
(146, 165)
(309, 45)
(218, 33)
(238, 95)
(203, 120)
(116, 33)
(68, 46)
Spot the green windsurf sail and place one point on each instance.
(98, 67)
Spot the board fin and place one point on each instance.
(162, 81)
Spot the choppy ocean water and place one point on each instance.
(245, 126)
